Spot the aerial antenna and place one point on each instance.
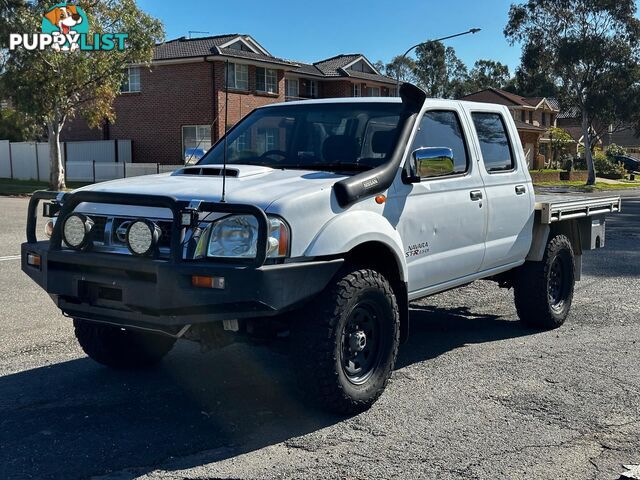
(196, 32)
(226, 122)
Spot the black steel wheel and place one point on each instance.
(346, 341)
(361, 342)
(543, 291)
(557, 286)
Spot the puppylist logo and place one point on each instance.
(65, 27)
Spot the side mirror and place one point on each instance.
(430, 162)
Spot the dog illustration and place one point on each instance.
(65, 18)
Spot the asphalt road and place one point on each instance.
(475, 394)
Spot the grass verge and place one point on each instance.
(579, 186)
(27, 187)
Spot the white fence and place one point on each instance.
(84, 161)
(91, 172)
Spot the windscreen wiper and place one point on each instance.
(340, 167)
(328, 167)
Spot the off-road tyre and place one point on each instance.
(334, 323)
(543, 291)
(119, 348)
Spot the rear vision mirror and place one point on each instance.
(429, 162)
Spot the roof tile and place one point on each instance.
(206, 46)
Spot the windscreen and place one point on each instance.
(316, 136)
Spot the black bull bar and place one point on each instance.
(70, 201)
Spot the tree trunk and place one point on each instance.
(588, 155)
(56, 177)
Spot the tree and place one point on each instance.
(402, 68)
(56, 85)
(18, 127)
(591, 53)
(439, 71)
(561, 141)
(379, 66)
(533, 77)
(486, 74)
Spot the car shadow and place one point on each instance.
(434, 331)
(76, 419)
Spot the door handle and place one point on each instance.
(520, 189)
(475, 195)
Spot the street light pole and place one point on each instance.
(470, 31)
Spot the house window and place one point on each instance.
(237, 76)
(266, 80)
(544, 119)
(313, 88)
(292, 88)
(531, 117)
(522, 116)
(268, 139)
(131, 82)
(196, 140)
(241, 143)
(357, 90)
(393, 92)
(373, 91)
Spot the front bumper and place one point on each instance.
(158, 293)
(143, 292)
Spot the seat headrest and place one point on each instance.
(340, 148)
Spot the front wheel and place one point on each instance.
(543, 291)
(346, 341)
(120, 348)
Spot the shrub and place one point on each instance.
(606, 168)
(613, 150)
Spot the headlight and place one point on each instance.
(236, 236)
(142, 237)
(77, 231)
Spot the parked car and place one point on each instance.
(337, 214)
(631, 164)
(192, 155)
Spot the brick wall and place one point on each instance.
(337, 88)
(77, 129)
(241, 102)
(171, 96)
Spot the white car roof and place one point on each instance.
(389, 100)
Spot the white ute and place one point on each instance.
(328, 219)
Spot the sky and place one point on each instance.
(310, 31)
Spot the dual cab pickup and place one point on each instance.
(315, 221)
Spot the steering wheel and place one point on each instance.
(268, 153)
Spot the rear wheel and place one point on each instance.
(543, 291)
(346, 341)
(120, 348)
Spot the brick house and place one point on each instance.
(177, 105)
(533, 117)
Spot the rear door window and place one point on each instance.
(495, 146)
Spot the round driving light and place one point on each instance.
(76, 231)
(142, 237)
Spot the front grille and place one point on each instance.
(118, 231)
(165, 238)
(99, 225)
(109, 234)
